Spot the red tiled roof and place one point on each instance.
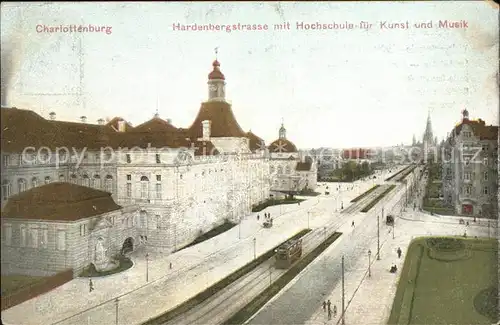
(479, 128)
(223, 122)
(282, 145)
(156, 124)
(59, 202)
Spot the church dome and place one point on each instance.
(282, 145)
(216, 73)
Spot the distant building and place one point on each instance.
(470, 171)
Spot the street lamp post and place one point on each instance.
(308, 213)
(325, 232)
(393, 222)
(270, 274)
(239, 229)
(254, 248)
(369, 263)
(378, 237)
(116, 319)
(147, 267)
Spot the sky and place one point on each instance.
(359, 87)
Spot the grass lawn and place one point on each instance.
(13, 283)
(271, 202)
(448, 280)
(124, 264)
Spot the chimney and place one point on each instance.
(121, 126)
(83, 119)
(52, 116)
(205, 130)
(100, 121)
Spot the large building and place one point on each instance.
(170, 184)
(470, 171)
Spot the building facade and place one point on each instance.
(470, 171)
(181, 182)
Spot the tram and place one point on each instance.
(288, 253)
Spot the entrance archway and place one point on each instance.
(128, 245)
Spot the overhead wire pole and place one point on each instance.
(343, 293)
(378, 237)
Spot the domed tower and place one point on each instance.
(216, 83)
(282, 132)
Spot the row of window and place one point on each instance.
(470, 176)
(33, 236)
(468, 146)
(468, 189)
(467, 160)
(288, 170)
(45, 158)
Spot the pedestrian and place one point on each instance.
(91, 285)
(170, 265)
(399, 252)
(334, 310)
(324, 305)
(467, 224)
(329, 314)
(352, 224)
(342, 205)
(258, 217)
(328, 304)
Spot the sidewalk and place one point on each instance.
(194, 269)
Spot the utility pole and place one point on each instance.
(147, 267)
(116, 320)
(378, 237)
(343, 293)
(308, 212)
(489, 236)
(239, 229)
(254, 248)
(393, 222)
(270, 273)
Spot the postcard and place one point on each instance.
(250, 163)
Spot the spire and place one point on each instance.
(216, 52)
(282, 132)
(156, 113)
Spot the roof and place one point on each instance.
(282, 145)
(255, 142)
(24, 128)
(479, 128)
(216, 73)
(154, 125)
(113, 123)
(305, 165)
(59, 202)
(223, 122)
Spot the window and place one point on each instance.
(129, 189)
(86, 180)
(62, 178)
(158, 159)
(62, 157)
(143, 215)
(8, 234)
(6, 189)
(96, 181)
(83, 229)
(6, 160)
(485, 176)
(485, 190)
(129, 160)
(467, 175)
(108, 184)
(287, 170)
(144, 187)
(467, 134)
(468, 190)
(129, 177)
(34, 182)
(158, 220)
(22, 229)
(44, 238)
(47, 179)
(33, 237)
(74, 179)
(158, 190)
(485, 161)
(61, 240)
(484, 147)
(280, 170)
(158, 178)
(96, 157)
(21, 184)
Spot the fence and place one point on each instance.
(36, 289)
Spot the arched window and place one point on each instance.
(86, 180)
(271, 169)
(74, 179)
(288, 170)
(108, 184)
(280, 170)
(144, 187)
(34, 182)
(96, 181)
(6, 189)
(276, 183)
(62, 178)
(283, 182)
(21, 185)
(47, 179)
